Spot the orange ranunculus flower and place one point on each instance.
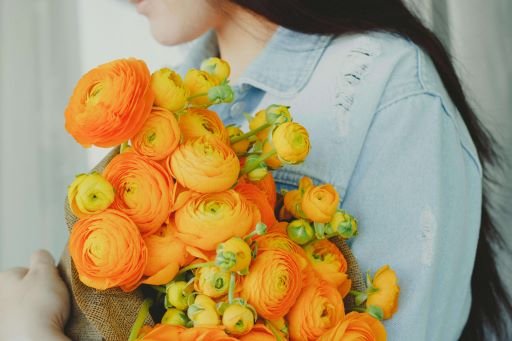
(273, 162)
(268, 186)
(209, 219)
(166, 254)
(110, 103)
(143, 190)
(168, 89)
(291, 143)
(108, 251)
(166, 332)
(278, 241)
(356, 327)
(205, 165)
(196, 122)
(379, 332)
(388, 291)
(293, 203)
(329, 264)
(198, 83)
(256, 196)
(319, 203)
(159, 136)
(273, 284)
(281, 228)
(318, 308)
(259, 333)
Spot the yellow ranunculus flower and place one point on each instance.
(259, 119)
(387, 291)
(203, 312)
(198, 83)
(240, 147)
(196, 122)
(168, 89)
(238, 319)
(218, 68)
(175, 317)
(291, 143)
(234, 255)
(90, 194)
(212, 281)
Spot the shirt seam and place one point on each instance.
(447, 112)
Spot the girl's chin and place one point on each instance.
(141, 6)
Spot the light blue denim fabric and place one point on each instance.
(385, 132)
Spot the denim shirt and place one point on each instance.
(386, 134)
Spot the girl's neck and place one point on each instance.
(242, 36)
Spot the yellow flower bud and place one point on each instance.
(234, 255)
(175, 317)
(240, 147)
(212, 281)
(218, 68)
(278, 114)
(291, 143)
(384, 292)
(203, 312)
(198, 83)
(90, 194)
(238, 319)
(168, 89)
(300, 231)
(343, 224)
(257, 174)
(259, 119)
(177, 294)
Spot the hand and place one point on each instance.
(34, 302)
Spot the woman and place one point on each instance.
(390, 128)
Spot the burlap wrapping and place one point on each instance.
(109, 315)
(97, 315)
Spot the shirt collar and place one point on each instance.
(284, 66)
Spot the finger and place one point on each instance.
(41, 259)
(14, 273)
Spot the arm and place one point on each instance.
(417, 194)
(34, 302)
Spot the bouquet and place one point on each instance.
(180, 234)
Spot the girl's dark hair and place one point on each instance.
(491, 304)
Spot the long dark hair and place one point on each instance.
(491, 304)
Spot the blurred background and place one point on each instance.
(45, 45)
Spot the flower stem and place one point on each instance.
(232, 284)
(250, 133)
(195, 266)
(273, 330)
(256, 162)
(197, 95)
(124, 146)
(141, 317)
(158, 288)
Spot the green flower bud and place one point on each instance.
(221, 94)
(177, 295)
(175, 317)
(300, 231)
(278, 114)
(343, 224)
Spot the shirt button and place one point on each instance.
(237, 108)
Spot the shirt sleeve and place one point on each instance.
(416, 191)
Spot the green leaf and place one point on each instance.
(376, 312)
